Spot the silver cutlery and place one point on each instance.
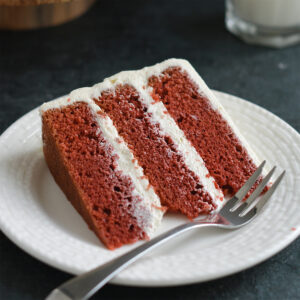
(236, 213)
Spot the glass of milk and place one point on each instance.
(274, 23)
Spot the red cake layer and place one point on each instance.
(224, 156)
(176, 185)
(83, 165)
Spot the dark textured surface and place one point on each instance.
(37, 66)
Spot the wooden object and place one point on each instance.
(31, 14)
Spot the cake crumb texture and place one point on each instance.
(84, 166)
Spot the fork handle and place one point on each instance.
(84, 286)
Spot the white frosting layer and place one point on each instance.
(147, 212)
(190, 156)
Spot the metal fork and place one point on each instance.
(234, 214)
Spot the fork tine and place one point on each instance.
(242, 192)
(264, 199)
(261, 203)
(241, 208)
(260, 187)
(230, 203)
(249, 183)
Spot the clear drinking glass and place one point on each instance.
(274, 23)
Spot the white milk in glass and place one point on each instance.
(270, 13)
(273, 23)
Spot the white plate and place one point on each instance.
(35, 215)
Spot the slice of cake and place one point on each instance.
(141, 139)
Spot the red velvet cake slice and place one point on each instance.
(96, 171)
(141, 138)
